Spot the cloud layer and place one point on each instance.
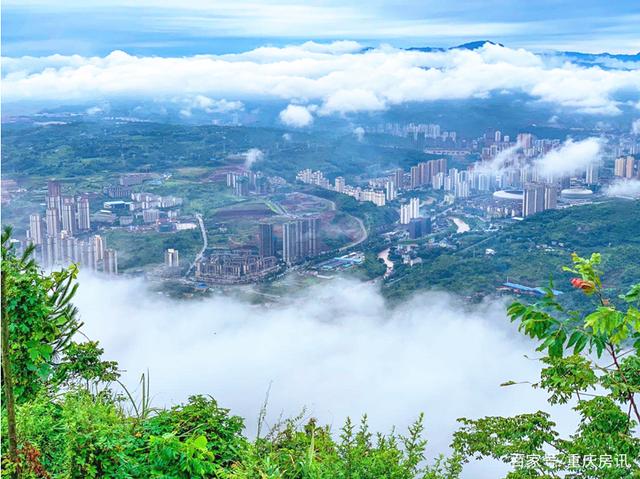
(572, 157)
(341, 77)
(336, 349)
(624, 188)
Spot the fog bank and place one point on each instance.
(335, 349)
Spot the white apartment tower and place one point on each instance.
(35, 229)
(172, 258)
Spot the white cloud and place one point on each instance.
(635, 127)
(625, 188)
(208, 105)
(338, 75)
(359, 133)
(94, 110)
(251, 156)
(296, 116)
(337, 349)
(352, 100)
(503, 160)
(571, 157)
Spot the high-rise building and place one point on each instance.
(99, 245)
(290, 245)
(624, 167)
(550, 197)
(525, 140)
(35, 229)
(405, 214)
(398, 175)
(69, 215)
(629, 169)
(84, 214)
(409, 211)
(418, 227)
(54, 197)
(592, 175)
(461, 189)
(390, 189)
(484, 182)
(57, 249)
(340, 184)
(312, 229)
(415, 176)
(437, 182)
(53, 224)
(301, 235)
(72, 249)
(414, 204)
(49, 252)
(241, 186)
(172, 258)
(425, 172)
(88, 255)
(111, 261)
(300, 239)
(266, 240)
(533, 199)
(53, 188)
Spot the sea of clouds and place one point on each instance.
(321, 79)
(336, 349)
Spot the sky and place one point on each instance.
(173, 27)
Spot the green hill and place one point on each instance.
(528, 252)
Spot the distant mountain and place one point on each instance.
(603, 60)
(634, 57)
(425, 49)
(606, 61)
(465, 46)
(475, 45)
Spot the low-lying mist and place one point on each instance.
(336, 349)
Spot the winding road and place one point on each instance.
(205, 243)
(365, 235)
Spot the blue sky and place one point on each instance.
(172, 27)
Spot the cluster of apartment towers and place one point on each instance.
(380, 190)
(299, 242)
(64, 236)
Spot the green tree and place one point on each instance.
(38, 324)
(590, 358)
(38, 316)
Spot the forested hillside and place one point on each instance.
(65, 413)
(532, 252)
